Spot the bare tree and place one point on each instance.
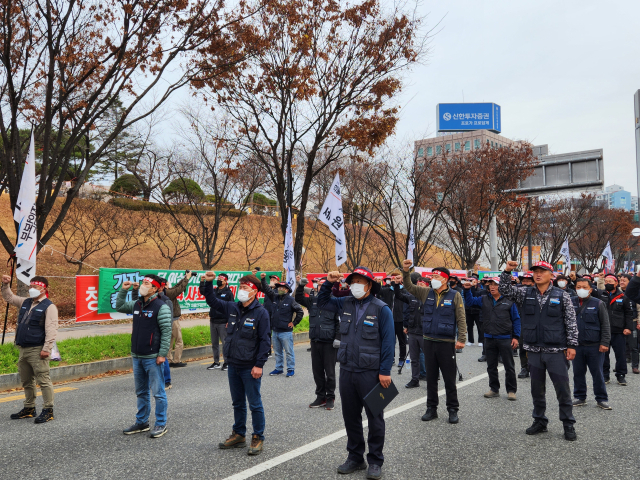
(171, 240)
(513, 227)
(125, 230)
(257, 236)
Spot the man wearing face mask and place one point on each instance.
(633, 354)
(245, 349)
(443, 311)
(386, 294)
(621, 320)
(282, 323)
(218, 319)
(36, 331)
(269, 295)
(527, 281)
(563, 283)
(150, 340)
(593, 344)
(365, 354)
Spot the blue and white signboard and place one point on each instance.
(461, 117)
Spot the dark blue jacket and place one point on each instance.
(385, 326)
(261, 323)
(470, 300)
(225, 294)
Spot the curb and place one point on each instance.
(74, 372)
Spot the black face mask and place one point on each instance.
(609, 287)
(219, 283)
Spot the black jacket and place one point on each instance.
(218, 315)
(412, 316)
(282, 309)
(387, 295)
(619, 308)
(321, 320)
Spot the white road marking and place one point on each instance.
(274, 462)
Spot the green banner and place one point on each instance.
(111, 279)
(482, 274)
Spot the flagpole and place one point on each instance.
(12, 261)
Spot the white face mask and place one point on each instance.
(582, 293)
(357, 290)
(436, 284)
(243, 296)
(562, 284)
(144, 291)
(34, 293)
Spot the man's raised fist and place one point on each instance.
(511, 265)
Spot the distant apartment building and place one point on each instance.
(615, 196)
(460, 141)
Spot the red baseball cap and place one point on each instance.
(543, 266)
(528, 275)
(275, 276)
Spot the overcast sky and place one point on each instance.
(564, 73)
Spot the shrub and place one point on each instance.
(127, 184)
(139, 205)
(183, 187)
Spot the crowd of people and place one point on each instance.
(550, 321)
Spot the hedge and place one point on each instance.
(139, 205)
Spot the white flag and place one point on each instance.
(608, 255)
(564, 251)
(331, 215)
(412, 243)
(25, 215)
(289, 263)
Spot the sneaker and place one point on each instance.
(524, 373)
(430, 414)
(458, 350)
(167, 386)
(351, 466)
(453, 416)
(577, 402)
(569, 433)
(374, 472)
(225, 367)
(256, 445)
(276, 372)
(607, 380)
(604, 405)
(491, 394)
(290, 373)
(234, 441)
(158, 431)
(136, 428)
(331, 404)
(270, 355)
(394, 362)
(483, 358)
(468, 344)
(214, 365)
(24, 413)
(309, 349)
(412, 384)
(319, 402)
(512, 396)
(621, 380)
(515, 353)
(422, 377)
(46, 415)
(536, 428)
(479, 344)
(177, 365)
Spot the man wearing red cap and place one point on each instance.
(550, 336)
(37, 327)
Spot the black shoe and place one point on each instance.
(178, 365)
(225, 367)
(606, 380)
(168, 386)
(621, 380)
(422, 377)
(524, 373)
(412, 384)
(309, 349)
(158, 431)
(330, 405)
(569, 433)
(500, 360)
(46, 415)
(136, 428)
(453, 416)
(536, 428)
(351, 466)
(24, 413)
(374, 472)
(515, 353)
(213, 366)
(317, 403)
(604, 405)
(483, 358)
(430, 414)
(393, 363)
(579, 402)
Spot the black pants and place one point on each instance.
(441, 356)
(589, 357)
(496, 347)
(473, 317)
(632, 347)
(323, 365)
(618, 345)
(558, 367)
(353, 388)
(415, 347)
(402, 339)
(524, 361)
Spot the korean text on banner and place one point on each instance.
(25, 215)
(331, 215)
(288, 262)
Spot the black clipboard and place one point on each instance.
(378, 398)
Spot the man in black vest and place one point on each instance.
(526, 281)
(218, 320)
(550, 336)
(501, 325)
(36, 331)
(442, 313)
(245, 349)
(365, 355)
(150, 342)
(323, 331)
(633, 353)
(387, 295)
(593, 343)
(621, 313)
(267, 290)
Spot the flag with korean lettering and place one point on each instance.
(332, 216)
(289, 263)
(609, 256)
(564, 251)
(25, 215)
(412, 244)
(625, 269)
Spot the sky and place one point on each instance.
(563, 72)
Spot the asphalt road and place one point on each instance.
(85, 440)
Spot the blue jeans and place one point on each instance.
(148, 375)
(589, 357)
(246, 388)
(283, 341)
(167, 371)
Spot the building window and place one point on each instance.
(438, 149)
(429, 151)
(492, 144)
(476, 143)
(467, 145)
(457, 146)
(448, 147)
(421, 152)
